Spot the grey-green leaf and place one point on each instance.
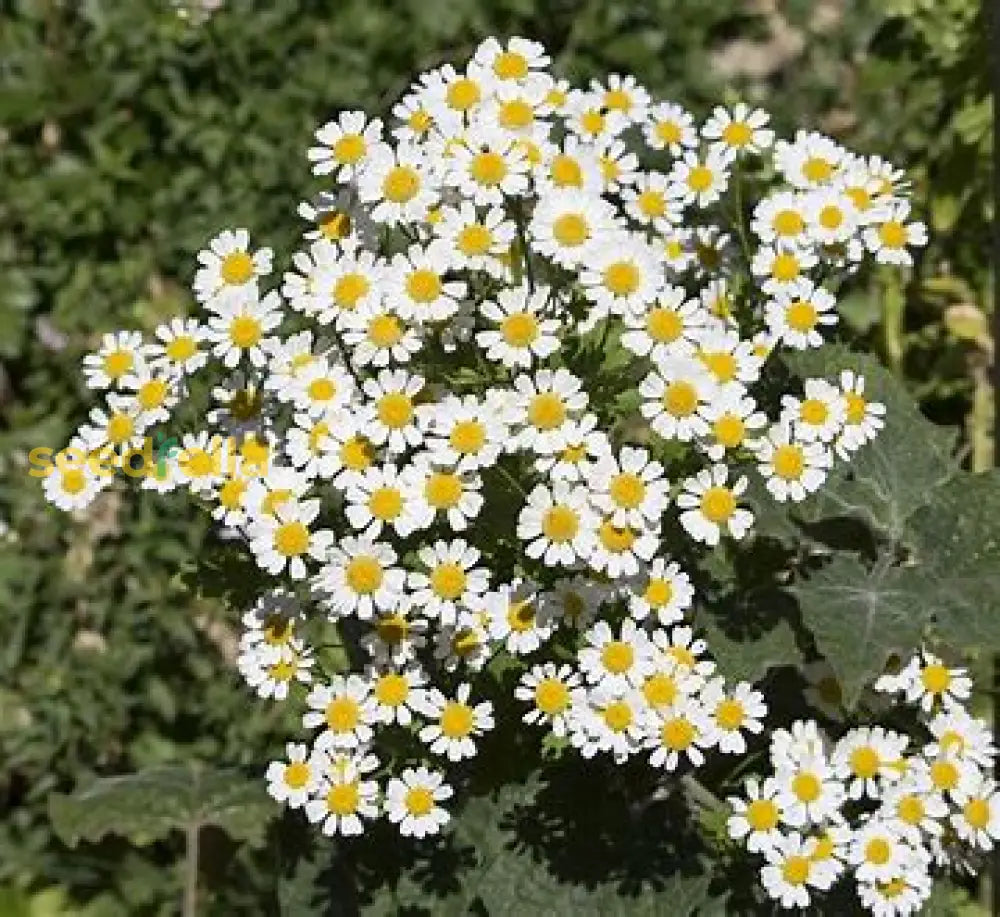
(148, 805)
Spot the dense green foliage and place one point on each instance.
(130, 135)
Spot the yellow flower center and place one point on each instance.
(664, 325)
(795, 870)
(622, 278)
(349, 289)
(385, 503)
(335, 225)
(152, 394)
(814, 412)
(865, 762)
(910, 809)
(322, 389)
(617, 100)
(729, 430)
(423, 285)
(944, 774)
(627, 490)
(509, 65)
(700, 179)
(273, 500)
(789, 462)
(519, 329)
(565, 171)
(236, 268)
(762, 815)
(856, 408)
(281, 671)
(935, 678)
(660, 690)
(680, 399)
(395, 410)
(356, 453)
(418, 801)
(788, 223)
(467, 437)
(420, 121)
(349, 149)
(117, 363)
(651, 204)
(816, 169)
(488, 168)
(616, 539)
(364, 574)
(977, 813)
(521, 616)
(443, 490)
(463, 94)
(342, 714)
(592, 121)
(738, 133)
(401, 184)
(893, 888)
(181, 348)
(806, 787)
(560, 524)
(465, 642)
(456, 720)
(618, 716)
(831, 217)
(198, 463)
(678, 733)
(391, 689)
(546, 411)
(291, 539)
(718, 504)
(297, 774)
(720, 364)
(245, 331)
(474, 239)
(515, 114)
(658, 593)
(730, 714)
(571, 230)
(878, 851)
(385, 330)
(801, 316)
(231, 493)
(785, 267)
(551, 696)
(343, 798)
(617, 657)
(120, 428)
(668, 132)
(448, 581)
(73, 480)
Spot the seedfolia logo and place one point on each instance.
(158, 457)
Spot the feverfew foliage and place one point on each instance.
(526, 381)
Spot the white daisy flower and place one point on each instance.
(455, 723)
(630, 487)
(928, 681)
(240, 327)
(810, 161)
(322, 388)
(679, 732)
(711, 506)
(727, 356)
(523, 333)
(285, 539)
(443, 491)
(396, 636)
(377, 498)
(514, 618)
(893, 235)
(178, 346)
(792, 872)
(346, 285)
(977, 820)
(477, 242)
(796, 315)
(588, 119)
(411, 801)
(675, 396)
(451, 584)
(740, 130)
(397, 183)
(866, 758)
(877, 852)
(515, 62)
(755, 820)
(394, 418)
(731, 713)
(652, 202)
(345, 145)
(863, 419)
(701, 181)
(465, 433)
(376, 336)
(780, 219)
(623, 94)
(360, 578)
(583, 445)
(663, 590)
(791, 469)
(71, 482)
(552, 691)
(558, 524)
(416, 284)
(732, 417)
(666, 328)
(619, 167)
(567, 222)
(228, 265)
(620, 273)
(345, 711)
(782, 268)
(398, 694)
(271, 670)
(608, 721)
(293, 780)
(119, 354)
(488, 167)
(669, 127)
(544, 403)
(616, 663)
(831, 216)
(341, 799)
(816, 417)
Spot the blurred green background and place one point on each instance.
(133, 130)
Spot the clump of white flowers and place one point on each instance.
(521, 344)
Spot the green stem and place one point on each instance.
(522, 236)
(190, 904)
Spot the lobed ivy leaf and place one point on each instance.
(889, 479)
(148, 805)
(860, 617)
(956, 541)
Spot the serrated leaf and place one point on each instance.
(889, 479)
(748, 653)
(956, 541)
(150, 804)
(859, 618)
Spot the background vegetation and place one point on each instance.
(130, 134)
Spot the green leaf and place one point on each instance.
(745, 652)
(148, 805)
(859, 618)
(956, 541)
(887, 480)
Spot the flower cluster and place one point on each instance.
(515, 371)
(880, 806)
